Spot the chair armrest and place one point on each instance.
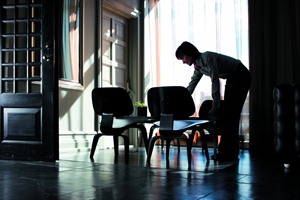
(166, 122)
(106, 122)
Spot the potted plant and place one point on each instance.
(141, 108)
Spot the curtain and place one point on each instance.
(70, 35)
(211, 25)
(274, 58)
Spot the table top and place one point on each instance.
(185, 124)
(120, 122)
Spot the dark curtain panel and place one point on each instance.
(274, 39)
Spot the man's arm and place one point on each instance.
(194, 80)
(215, 83)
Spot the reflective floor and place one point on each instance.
(74, 176)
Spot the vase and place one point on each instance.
(141, 111)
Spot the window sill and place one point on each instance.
(70, 85)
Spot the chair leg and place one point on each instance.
(116, 145)
(189, 152)
(178, 145)
(153, 127)
(152, 130)
(189, 145)
(215, 141)
(94, 144)
(126, 146)
(204, 144)
(168, 142)
(144, 135)
(151, 145)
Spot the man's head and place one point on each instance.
(187, 52)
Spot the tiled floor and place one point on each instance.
(74, 176)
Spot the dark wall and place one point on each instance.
(274, 31)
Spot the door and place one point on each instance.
(28, 87)
(114, 43)
(114, 55)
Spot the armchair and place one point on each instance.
(115, 107)
(287, 121)
(173, 106)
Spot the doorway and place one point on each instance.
(28, 92)
(114, 50)
(114, 56)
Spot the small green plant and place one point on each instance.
(140, 104)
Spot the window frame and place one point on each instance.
(64, 82)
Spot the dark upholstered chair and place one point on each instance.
(115, 107)
(213, 126)
(172, 106)
(287, 121)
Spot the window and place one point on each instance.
(71, 70)
(214, 25)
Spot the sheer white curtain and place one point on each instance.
(211, 25)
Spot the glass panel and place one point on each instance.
(8, 57)
(8, 42)
(7, 86)
(21, 42)
(21, 56)
(21, 87)
(21, 27)
(35, 27)
(21, 71)
(9, 2)
(35, 41)
(21, 13)
(22, 1)
(8, 72)
(9, 13)
(35, 86)
(34, 56)
(8, 28)
(35, 71)
(36, 1)
(35, 12)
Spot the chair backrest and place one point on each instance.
(170, 99)
(113, 100)
(286, 113)
(206, 107)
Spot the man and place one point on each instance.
(238, 81)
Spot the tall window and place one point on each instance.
(211, 25)
(71, 71)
